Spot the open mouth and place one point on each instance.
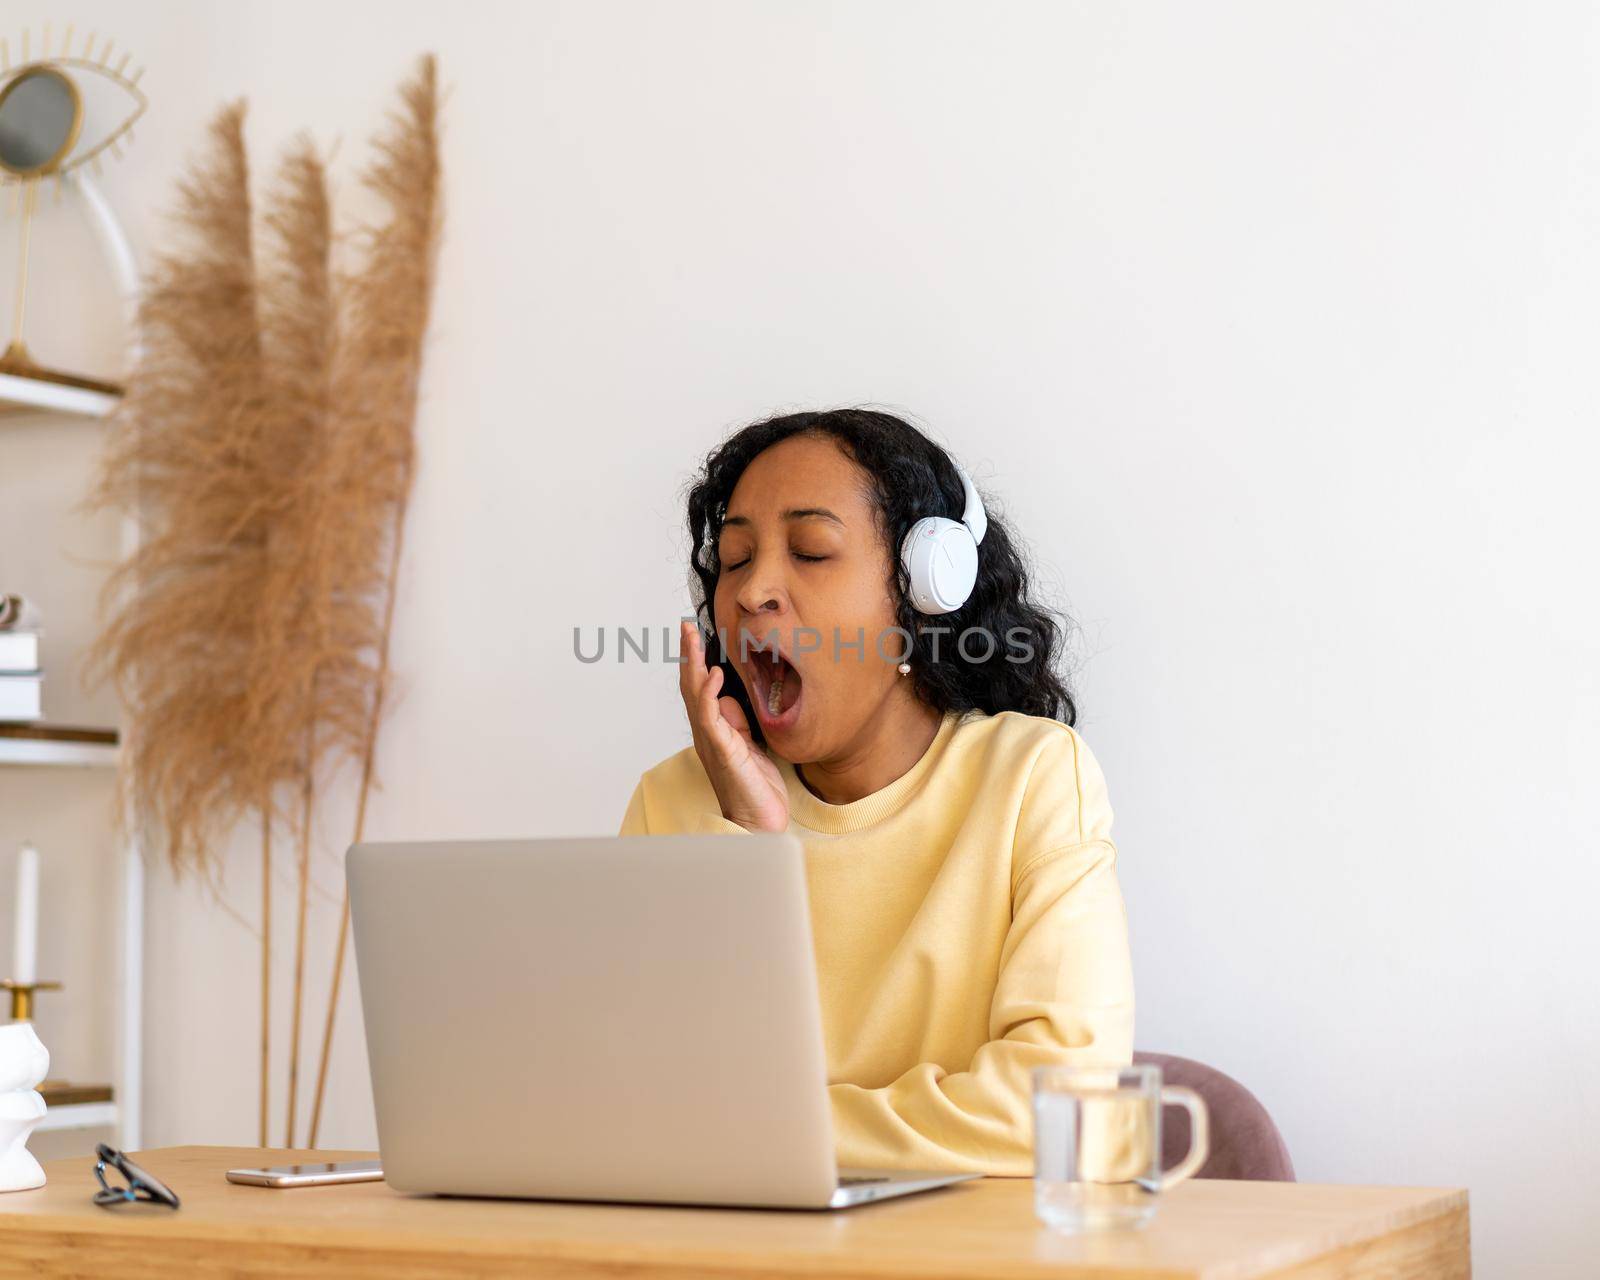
(775, 689)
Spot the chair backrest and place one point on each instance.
(1245, 1144)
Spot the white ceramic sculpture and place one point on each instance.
(23, 1063)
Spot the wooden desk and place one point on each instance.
(1215, 1230)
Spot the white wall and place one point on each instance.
(1273, 328)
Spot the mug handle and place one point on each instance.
(1175, 1095)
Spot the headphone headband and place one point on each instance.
(973, 514)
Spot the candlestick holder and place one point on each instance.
(22, 996)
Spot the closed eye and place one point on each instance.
(797, 555)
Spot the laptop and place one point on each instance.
(627, 1018)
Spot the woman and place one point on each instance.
(966, 915)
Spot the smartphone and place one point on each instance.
(310, 1175)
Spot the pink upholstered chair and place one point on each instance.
(1245, 1144)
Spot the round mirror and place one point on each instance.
(40, 115)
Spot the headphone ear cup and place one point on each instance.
(940, 558)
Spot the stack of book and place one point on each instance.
(21, 681)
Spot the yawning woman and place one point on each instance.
(858, 681)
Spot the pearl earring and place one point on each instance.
(905, 668)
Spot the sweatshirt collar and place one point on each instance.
(806, 810)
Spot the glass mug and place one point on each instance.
(1097, 1144)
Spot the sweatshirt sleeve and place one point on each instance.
(640, 820)
(633, 821)
(1063, 995)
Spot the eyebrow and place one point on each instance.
(793, 513)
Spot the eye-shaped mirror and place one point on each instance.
(57, 115)
(41, 114)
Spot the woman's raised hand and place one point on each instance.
(747, 783)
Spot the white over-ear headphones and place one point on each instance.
(941, 556)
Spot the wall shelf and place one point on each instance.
(77, 1106)
(46, 744)
(19, 394)
(81, 399)
(80, 1115)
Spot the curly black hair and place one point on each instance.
(911, 477)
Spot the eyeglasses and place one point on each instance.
(141, 1185)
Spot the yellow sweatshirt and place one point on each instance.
(968, 927)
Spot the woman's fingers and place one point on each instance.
(696, 683)
(692, 670)
(701, 686)
(734, 714)
(707, 699)
(746, 781)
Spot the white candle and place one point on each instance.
(25, 945)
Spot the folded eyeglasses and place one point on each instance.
(140, 1185)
